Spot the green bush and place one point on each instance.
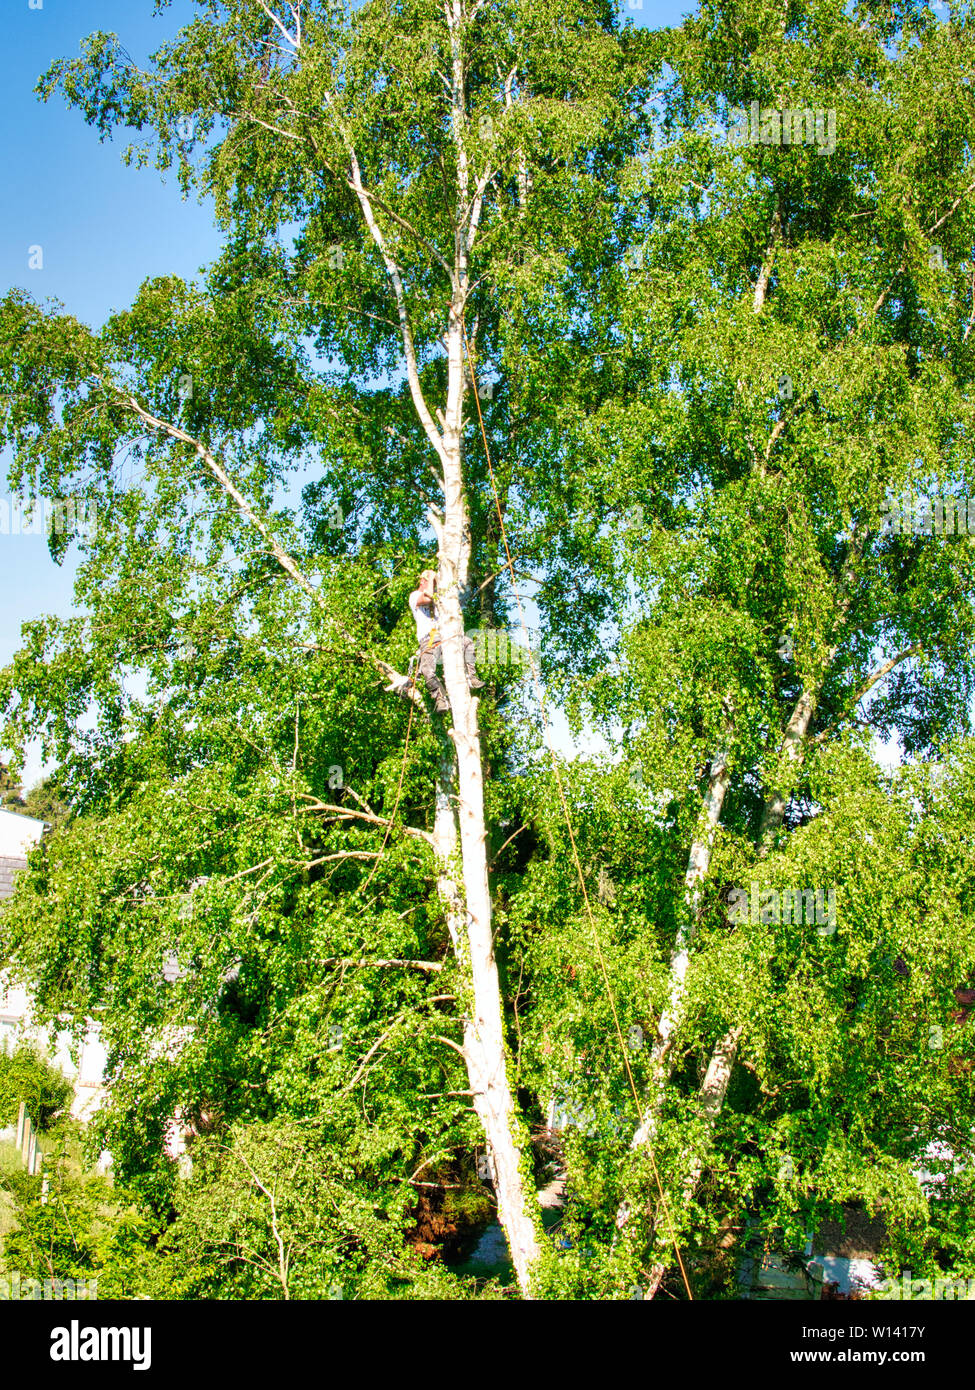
(27, 1076)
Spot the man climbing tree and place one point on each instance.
(423, 606)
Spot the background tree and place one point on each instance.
(27, 1077)
(799, 329)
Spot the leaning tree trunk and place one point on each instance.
(698, 865)
(710, 1101)
(725, 1054)
(483, 1048)
(773, 811)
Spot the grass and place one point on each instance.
(9, 1159)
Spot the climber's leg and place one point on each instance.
(429, 660)
(473, 680)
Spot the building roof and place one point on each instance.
(18, 834)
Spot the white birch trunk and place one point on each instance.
(723, 1058)
(722, 1062)
(712, 1094)
(483, 1048)
(773, 812)
(459, 824)
(698, 865)
(469, 910)
(484, 1042)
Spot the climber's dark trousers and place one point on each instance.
(430, 658)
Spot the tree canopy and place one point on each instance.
(497, 291)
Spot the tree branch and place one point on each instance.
(282, 1259)
(401, 222)
(868, 685)
(293, 40)
(397, 681)
(930, 232)
(372, 1051)
(406, 330)
(347, 813)
(343, 854)
(430, 966)
(765, 274)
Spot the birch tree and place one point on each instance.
(803, 311)
(425, 157)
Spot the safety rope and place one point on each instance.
(568, 821)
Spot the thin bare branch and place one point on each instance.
(286, 562)
(406, 328)
(930, 232)
(372, 1051)
(868, 685)
(343, 854)
(348, 813)
(430, 966)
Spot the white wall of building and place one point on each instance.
(18, 835)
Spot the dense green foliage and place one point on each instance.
(28, 1078)
(713, 368)
(83, 1229)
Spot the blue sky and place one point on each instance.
(102, 228)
